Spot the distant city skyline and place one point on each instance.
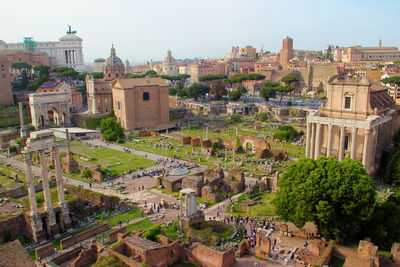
(145, 30)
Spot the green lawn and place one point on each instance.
(130, 215)
(143, 224)
(9, 183)
(117, 162)
(93, 123)
(264, 209)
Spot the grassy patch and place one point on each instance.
(143, 224)
(130, 215)
(116, 162)
(386, 254)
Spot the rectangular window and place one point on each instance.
(347, 102)
(346, 142)
(146, 96)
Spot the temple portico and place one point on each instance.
(356, 122)
(45, 224)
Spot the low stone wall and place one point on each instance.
(213, 258)
(113, 236)
(86, 256)
(72, 240)
(67, 256)
(103, 202)
(44, 251)
(17, 226)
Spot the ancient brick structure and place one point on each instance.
(396, 253)
(113, 236)
(69, 165)
(86, 256)
(72, 240)
(263, 245)
(367, 256)
(193, 182)
(208, 195)
(44, 251)
(212, 258)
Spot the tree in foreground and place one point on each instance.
(111, 130)
(218, 89)
(336, 196)
(269, 90)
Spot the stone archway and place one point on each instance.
(248, 145)
(50, 108)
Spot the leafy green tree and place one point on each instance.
(337, 196)
(234, 95)
(182, 93)
(42, 69)
(197, 90)
(212, 77)
(240, 77)
(263, 116)
(386, 224)
(289, 79)
(173, 91)
(269, 90)
(235, 118)
(25, 71)
(242, 89)
(286, 132)
(283, 90)
(218, 89)
(35, 85)
(392, 165)
(395, 80)
(111, 130)
(215, 146)
(152, 232)
(174, 79)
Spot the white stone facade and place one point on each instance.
(67, 52)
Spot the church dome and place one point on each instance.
(169, 60)
(113, 60)
(113, 68)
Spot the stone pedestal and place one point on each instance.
(37, 228)
(70, 165)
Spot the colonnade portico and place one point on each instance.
(38, 142)
(319, 127)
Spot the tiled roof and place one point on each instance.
(50, 84)
(143, 243)
(138, 82)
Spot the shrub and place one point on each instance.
(215, 146)
(31, 128)
(12, 149)
(263, 116)
(152, 233)
(86, 173)
(235, 118)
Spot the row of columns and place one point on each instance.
(314, 136)
(71, 56)
(36, 219)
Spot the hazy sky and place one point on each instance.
(144, 29)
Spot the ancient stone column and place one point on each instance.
(341, 143)
(46, 188)
(60, 190)
(318, 141)
(207, 132)
(329, 145)
(308, 136)
(21, 119)
(35, 216)
(67, 140)
(353, 143)
(366, 147)
(312, 148)
(31, 185)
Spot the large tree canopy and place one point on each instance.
(110, 129)
(196, 90)
(238, 78)
(392, 80)
(212, 77)
(218, 89)
(336, 196)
